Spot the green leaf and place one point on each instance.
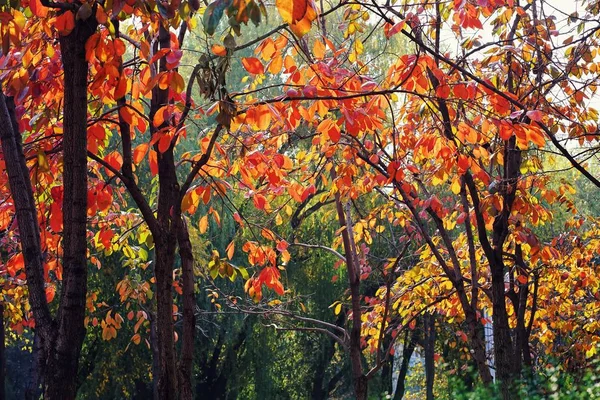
(244, 272)
(213, 15)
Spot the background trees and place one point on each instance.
(351, 180)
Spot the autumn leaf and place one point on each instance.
(203, 225)
(230, 250)
(299, 14)
(140, 152)
(65, 23)
(38, 9)
(253, 65)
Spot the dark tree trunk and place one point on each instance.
(154, 348)
(507, 368)
(2, 355)
(63, 356)
(319, 391)
(163, 271)
(387, 370)
(165, 247)
(62, 338)
(410, 342)
(189, 318)
(34, 391)
(429, 347)
(359, 379)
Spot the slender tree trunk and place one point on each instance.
(429, 347)
(155, 356)
(359, 380)
(407, 352)
(163, 271)
(165, 247)
(189, 319)
(62, 338)
(507, 368)
(2, 355)
(387, 370)
(33, 391)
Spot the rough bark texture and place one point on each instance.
(429, 347)
(29, 233)
(410, 342)
(62, 337)
(63, 356)
(2, 355)
(506, 365)
(189, 319)
(359, 380)
(165, 240)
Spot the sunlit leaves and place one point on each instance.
(65, 23)
(299, 14)
(253, 65)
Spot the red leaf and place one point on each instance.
(308, 191)
(65, 23)
(38, 9)
(259, 201)
(253, 65)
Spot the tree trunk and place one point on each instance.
(189, 319)
(33, 391)
(319, 392)
(507, 368)
(429, 347)
(163, 271)
(165, 246)
(2, 355)
(407, 352)
(62, 338)
(358, 378)
(64, 349)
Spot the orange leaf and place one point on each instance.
(15, 263)
(50, 292)
(121, 88)
(126, 115)
(140, 152)
(219, 50)
(319, 50)
(153, 162)
(292, 11)
(177, 82)
(65, 23)
(230, 250)
(38, 9)
(136, 338)
(253, 65)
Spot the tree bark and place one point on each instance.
(359, 380)
(2, 355)
(407, 352)
(189, 318)
(62, 338)
(165, 245)
(429, 347)
(63, 355)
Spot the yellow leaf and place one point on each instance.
(203, 226)
(337, 309)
